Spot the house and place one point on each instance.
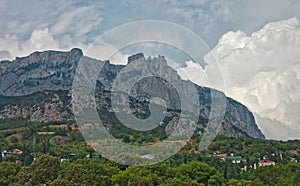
(19, 161)
(71, 155)
(294, 160)
(221, 156)
(234, 159)
(17, 151)
(63, 160)
(10, 152)
(253, 166)
(244, 168)
(5, 153)
(265, 162)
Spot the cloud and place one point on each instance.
(199, 12)
(103, 50)
(74, 22)
(210, 19)
(262, 70)
(48, 25)
(4, 54)
(286, 132)
(193, 72)
(39, 40)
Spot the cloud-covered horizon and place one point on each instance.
(262, 71)
(78, 23)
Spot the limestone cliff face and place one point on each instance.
(42, 106)
(50, 70)
(38, 88)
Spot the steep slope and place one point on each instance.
(37, 88)
(50, 70)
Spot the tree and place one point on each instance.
(277, 175)
(200, 172)
(8, 172)
(234, 182)
(182, 181)
(92, 171)
(43, 170)
(126, 139)
(72, 174)
(136, 176)
(295, 169)
(13, 139)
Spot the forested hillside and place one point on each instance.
(55, 153)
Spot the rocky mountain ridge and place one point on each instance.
(38, 88)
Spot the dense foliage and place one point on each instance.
(50, 171)
(62, 157)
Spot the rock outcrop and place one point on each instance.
(38, 88)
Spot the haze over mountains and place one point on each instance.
(43, 81)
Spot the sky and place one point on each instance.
(255, 44)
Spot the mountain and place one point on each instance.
(38, 88)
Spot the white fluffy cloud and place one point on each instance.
(193, 72)
(59, 25)
(40, 39)
(262, 70)
(105, 51)
(75, 22)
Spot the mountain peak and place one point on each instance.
(135, 57)
(47, 70)
(54, 71)
(77, 51)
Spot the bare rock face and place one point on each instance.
(43, 107)
(49, 70)
(38, 88)
(135, 57)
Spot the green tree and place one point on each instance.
(126, 139)
(136, 176)
(182, 181)
(73, 174)
(94, 171)
(200, 172)
(8, 172)
(277, 175)
(234, 182)
(43, 170)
